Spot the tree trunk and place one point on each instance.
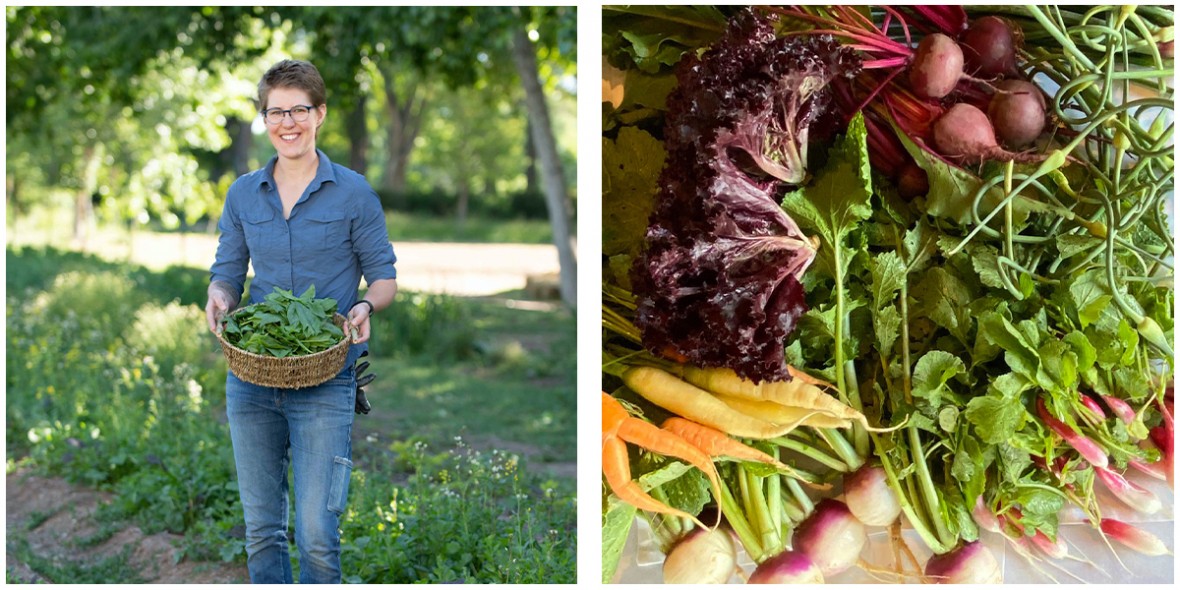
(236, 157)
(556, 198)
(84, 198)
(358, 138)
(530, 153)
(405, 119)
(15, 206)
(461, 206)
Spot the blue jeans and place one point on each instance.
(309, 429)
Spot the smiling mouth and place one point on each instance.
(289, 137)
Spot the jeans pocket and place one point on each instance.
(338, 492)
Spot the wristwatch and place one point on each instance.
(366, 302)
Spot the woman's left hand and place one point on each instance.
(358, 316)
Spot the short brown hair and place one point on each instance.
(292, 73)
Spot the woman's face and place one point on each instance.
(293, 139)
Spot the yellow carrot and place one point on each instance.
(689, 401)
(795, 393)
(777, 413)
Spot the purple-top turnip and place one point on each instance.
(972, 563)
(703, 556)
(869, 497)
(1017, 113)
(937, 66)
(989, 47)
(788, 567)
(832, 537)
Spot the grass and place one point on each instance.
(55, 226)
(413, 227)
(123, 391)
(102, 571)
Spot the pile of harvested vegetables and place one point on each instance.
(900, 267)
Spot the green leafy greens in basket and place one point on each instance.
(285, 325)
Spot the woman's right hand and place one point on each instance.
(219, 304)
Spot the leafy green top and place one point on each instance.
(285, 325)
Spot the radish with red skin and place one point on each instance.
(937, 66)
(1129, 493)
(1134, 537)
(788, 567)
(832, 537)
(989, 47)
(1120, 408)
(973, 563)
(1017, 113)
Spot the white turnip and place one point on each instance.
(788, 567)
(1017, 113)
(832, 537)
(703, 556)
(937, 66)
(972, 563)
(869, 497)
(989, 47)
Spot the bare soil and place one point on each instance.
(54, 517)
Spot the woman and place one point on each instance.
(301, 220)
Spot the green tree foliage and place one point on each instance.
(144, 114)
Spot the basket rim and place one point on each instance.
(336, 316)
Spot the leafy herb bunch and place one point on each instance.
(285, 325)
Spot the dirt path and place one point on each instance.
(457, 269)
(54, 521)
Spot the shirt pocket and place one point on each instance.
(262, 233)
(329, 229)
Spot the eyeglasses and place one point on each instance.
(298, 114)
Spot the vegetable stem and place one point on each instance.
(736, 518)
(811, 452)
(926, 487)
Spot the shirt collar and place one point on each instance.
(325, 172)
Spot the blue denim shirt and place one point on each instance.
(335, 234)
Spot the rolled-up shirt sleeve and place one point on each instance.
(233, 257)
(371, 240)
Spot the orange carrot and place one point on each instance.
(716, 443)
(618, 427)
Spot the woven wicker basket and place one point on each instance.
(293, 372)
